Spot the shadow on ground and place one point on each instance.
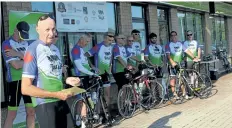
(162, 122)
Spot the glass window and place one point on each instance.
(111, 23)
(111, 17)
(199, 31)
(189, 21)
(181, 22)
(137, 11)
(163, 26)
(42, 6)
(162, 14)
(218, 38)
(141, 28)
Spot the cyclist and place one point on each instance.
(136, 45)
(13, 50)
(174, 51)
(153, 54)
(82, 68)
(42, 78)
(120, 56)
(193, 46)
(102, 53)
(132, 51)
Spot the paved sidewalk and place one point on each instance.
(214, 112)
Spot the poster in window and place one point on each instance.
(81, 17)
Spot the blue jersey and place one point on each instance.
(123, 53)
(12, 73)
(102, 56)
(79, 54)
(43, 64)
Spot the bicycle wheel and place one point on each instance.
(148, 96)
(76, 109)
(157, 93)
(204, 86)
(126, 101)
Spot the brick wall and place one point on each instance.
(152, 18)
(173, 20)
(124, 18)
(14, 6)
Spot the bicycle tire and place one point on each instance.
(208, 88)
(147, 99)
(76, 110)
(158, 93)
(129, 92)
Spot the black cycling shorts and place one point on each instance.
(15, 95)
(54, 115)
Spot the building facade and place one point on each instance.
(209, 30)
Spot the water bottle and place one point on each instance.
(90, 101)
(141, 87)
(94, 97)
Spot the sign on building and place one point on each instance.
(81, 17)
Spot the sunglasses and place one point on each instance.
(136, 34)
(130, 40)
(189, 34)
(173, 35)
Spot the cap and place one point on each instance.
(23, 28)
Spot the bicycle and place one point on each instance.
(133, 96)
(202, 84)
(180, 85)
(93, 109)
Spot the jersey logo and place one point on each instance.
(177, 49)
(107, 53)
(21, 49)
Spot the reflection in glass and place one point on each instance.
(163, 26)
(162, 14)
(111, 17)
(141, 28)
(137, 11)
(181, 22)
(42, 6)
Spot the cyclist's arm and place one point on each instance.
(199, 53)
(81, 68)
(121, 61)
(134, 58)
(31, 90)
(17, 64)
(189, 53)
(173, 63)
(148, 61)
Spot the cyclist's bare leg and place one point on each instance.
(83, 110)
(172, 84)
(30, 117)
(11, 114)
